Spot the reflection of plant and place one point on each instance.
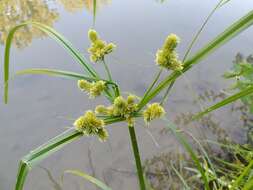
(76, 5)
(242, 73)
(14, 12)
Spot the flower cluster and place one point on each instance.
(153, 111)
(167, 57)
(89, 124)
(94, 89)
(99, 48)
(121, 107)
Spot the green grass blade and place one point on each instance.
(42, 152)
(45, 150)
(60, 73)
(89, 178)
(236, 28)
(186, 186)
(248, 185)
(189, 149)
(226, 101)
(240, 179)
(196, 36)
(53, 34)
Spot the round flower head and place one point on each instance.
(153, 111)
(94, 89)
(89, 124)
(98, 48)
(167, 56)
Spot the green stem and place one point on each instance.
(152, 85)
(137, 157)
(115, 88)
(201, 29)
(107, 70)
(167, 93)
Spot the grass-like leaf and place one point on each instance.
(190, 150)
(226, 101)
(42, 152)
(60, 73)
(89, 178)
(53, 34)
(221, 39)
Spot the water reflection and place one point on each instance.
(13, 12)
(77, 5)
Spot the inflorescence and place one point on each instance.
(94, 89)
(167, 57)
(89, 124)
(126, 108)
(121, 107)
(98, 48)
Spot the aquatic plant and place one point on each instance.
(121, 108)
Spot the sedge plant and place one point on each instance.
(118, 108)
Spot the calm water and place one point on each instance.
(41, 107)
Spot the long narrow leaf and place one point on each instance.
(240, 179)
(42, 152)
(236, 28)
(89, 178)
(53, 34)
(189, 149)
(45, 150)
(226, 101)
(60, 73)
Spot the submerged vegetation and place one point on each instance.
(197, 170)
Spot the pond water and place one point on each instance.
(41, 107)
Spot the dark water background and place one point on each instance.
(41, 107)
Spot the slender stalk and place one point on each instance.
(201, 29)
(152, 84)
(115, 88)
(137, 157)
(107, 70)
(167, 93)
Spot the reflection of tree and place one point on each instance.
(13, 12)
(75, 5)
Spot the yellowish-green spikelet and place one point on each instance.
(97, 88)
(98, 48)
(121, 107)
(167, 56)
(84, 85)
(153, 111)
(89, 124)
(94, 89)
(92, 34)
